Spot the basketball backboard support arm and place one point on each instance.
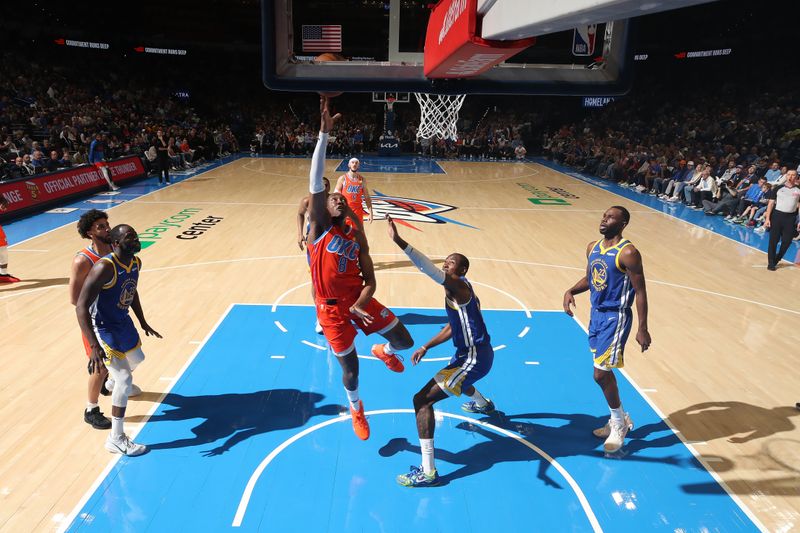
(519, 19)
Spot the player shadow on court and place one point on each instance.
(775, 457)
(713, 420)
(27, 284)
(573, 439)
(237, 417)
(390, 265)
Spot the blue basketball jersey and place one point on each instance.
(466, 322)
(610, 287)
(112, 323)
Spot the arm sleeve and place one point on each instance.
(425, 265)
(318, 165)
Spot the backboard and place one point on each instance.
(383, 43)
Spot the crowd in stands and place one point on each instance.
(712, 154)
(51, 116)
(288, 127)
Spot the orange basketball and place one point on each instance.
(329, 56)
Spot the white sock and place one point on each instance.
(478, 398)
(388, 349)
(90, 406)
(352, 395)
(617, 415)
(116, 426)
(426, 445)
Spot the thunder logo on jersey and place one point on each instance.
(347, 250)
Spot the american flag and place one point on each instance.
(322, 38)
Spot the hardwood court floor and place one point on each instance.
(723, 367)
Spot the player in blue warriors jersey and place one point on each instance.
(615, 278)
(109, 291)
(92, 225)
(472, 360)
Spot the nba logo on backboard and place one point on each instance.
(583, 40)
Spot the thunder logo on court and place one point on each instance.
(599, 275)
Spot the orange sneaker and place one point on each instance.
(392, 361)
(360, 424)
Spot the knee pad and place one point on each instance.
(135, 357)
(122, 387)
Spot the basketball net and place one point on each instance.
(438, 115)
(390, 103)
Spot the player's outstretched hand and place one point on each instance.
(643, 338)
(391, 229)
(328, 121)
(96, 360)
(569, 303)
(418, 355)
(150, 331)
(365, 317)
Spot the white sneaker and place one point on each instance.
(605, 431)
(616, 435)
(124, 446)
(135, 389)
(318, 327)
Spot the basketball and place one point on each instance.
(329, 56)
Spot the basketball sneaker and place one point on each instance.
(360, 424)
(135, 389)
(616, 437)
(318, 327)
(605, 431)
(472, 407)
(417, 477)
(124, 446)
(8, 278)
(392, 361)
(96, 419)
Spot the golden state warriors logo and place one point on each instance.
(127, 293)
(599, 275)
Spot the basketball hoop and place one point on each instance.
(390, 100)
(438, 115)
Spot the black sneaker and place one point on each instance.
(96, 419)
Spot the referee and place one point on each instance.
(781, 218)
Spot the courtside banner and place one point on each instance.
(454, 50)
(126, 169)
(37, 191)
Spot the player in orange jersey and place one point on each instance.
(303, 226)
(5, 277)
(354, 188)
(344, 281)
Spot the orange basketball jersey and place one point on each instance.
(353, 191)
(335, 270)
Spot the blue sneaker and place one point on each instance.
(471, 407)
(418, 478)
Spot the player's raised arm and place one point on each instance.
(319, 217)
